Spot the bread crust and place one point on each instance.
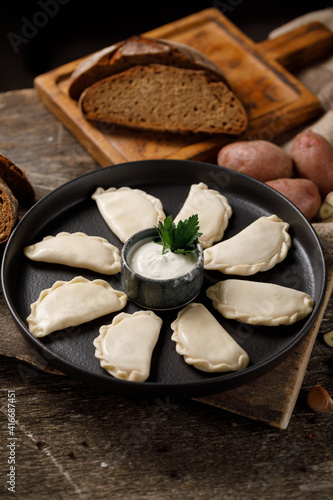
(16, 180)
(8, 211)
(138, 50)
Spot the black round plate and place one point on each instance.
(70, 208)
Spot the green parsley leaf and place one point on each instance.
(180, 238)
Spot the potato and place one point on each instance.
(260, 159)
(302, 192)
(312, 155)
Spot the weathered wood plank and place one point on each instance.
(37, 142)
(75, 442)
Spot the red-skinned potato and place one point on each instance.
(312, 155)
(260, 159)
(302, 192)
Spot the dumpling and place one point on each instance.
(258, 303)
(204, 343)
(125, 347)
(213, 211)
(77, 250)
(127, 211)
(71, 303)
(258, 247)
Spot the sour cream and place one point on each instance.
(146, 259)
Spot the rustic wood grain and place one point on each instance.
(302, 46)
(274, 99)
(75, 442)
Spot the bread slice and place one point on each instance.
(165, 98)
(16, 180)
(8, 211)
(138, 51)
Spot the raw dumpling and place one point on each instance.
(125, 347)
(71, 303)
(258, 247)
(213, 211)
(127, 211)
(204, 343)
(259, 303)
(77, 250)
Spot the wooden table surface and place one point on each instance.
(72, 441)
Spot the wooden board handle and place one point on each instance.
(299, 47)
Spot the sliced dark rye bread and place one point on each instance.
(16, 180)
(138, 51)
(165, 98)
(8, 211)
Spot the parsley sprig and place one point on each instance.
(179, 238)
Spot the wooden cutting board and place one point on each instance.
(275, 100)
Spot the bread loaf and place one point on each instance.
(8, 211)
(165, 98)
(138, 51)
(16, 180)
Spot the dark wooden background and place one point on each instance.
(75, 28)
